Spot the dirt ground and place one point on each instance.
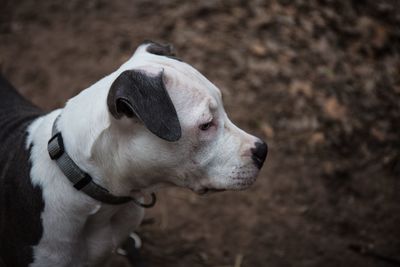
(319, 80)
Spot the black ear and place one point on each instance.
(159, 49)
(136, 93)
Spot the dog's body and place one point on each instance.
(20, 202)
(129, 142)
(43, 218)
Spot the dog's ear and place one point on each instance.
(135, 93)
(159, 49)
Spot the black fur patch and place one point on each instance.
(21, 204)
(136, 93)
(161, 50)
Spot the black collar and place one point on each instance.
(81, 180)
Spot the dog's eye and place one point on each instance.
(205, 126)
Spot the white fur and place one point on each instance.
(123, 156)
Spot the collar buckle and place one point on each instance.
(56, 146)
(83, 182)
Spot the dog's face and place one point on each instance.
(171, 128)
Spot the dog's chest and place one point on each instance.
(86, 242)
(99, 236)
(108, 228)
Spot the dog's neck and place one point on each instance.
(70, 217)
(82, 122)
(91, 141)
(85, 123)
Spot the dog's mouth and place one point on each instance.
(204, 191)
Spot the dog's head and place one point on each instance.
(168, 126)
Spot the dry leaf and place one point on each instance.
(267, 130)
(334, 109)
(301, 87)
(378, 134)
(317, 138)
(258, 49)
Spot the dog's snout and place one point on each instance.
(259, 153)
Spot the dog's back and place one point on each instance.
(14, 109)
(20, 202)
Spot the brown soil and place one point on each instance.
(319, 80)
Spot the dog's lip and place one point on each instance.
(207, 190)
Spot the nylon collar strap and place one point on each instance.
(81, 180)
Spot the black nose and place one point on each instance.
(260, 152)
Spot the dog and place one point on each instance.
(72, 181)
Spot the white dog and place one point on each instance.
(154, 122)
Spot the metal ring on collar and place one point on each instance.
(146, 205)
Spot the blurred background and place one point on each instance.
(319, 80)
